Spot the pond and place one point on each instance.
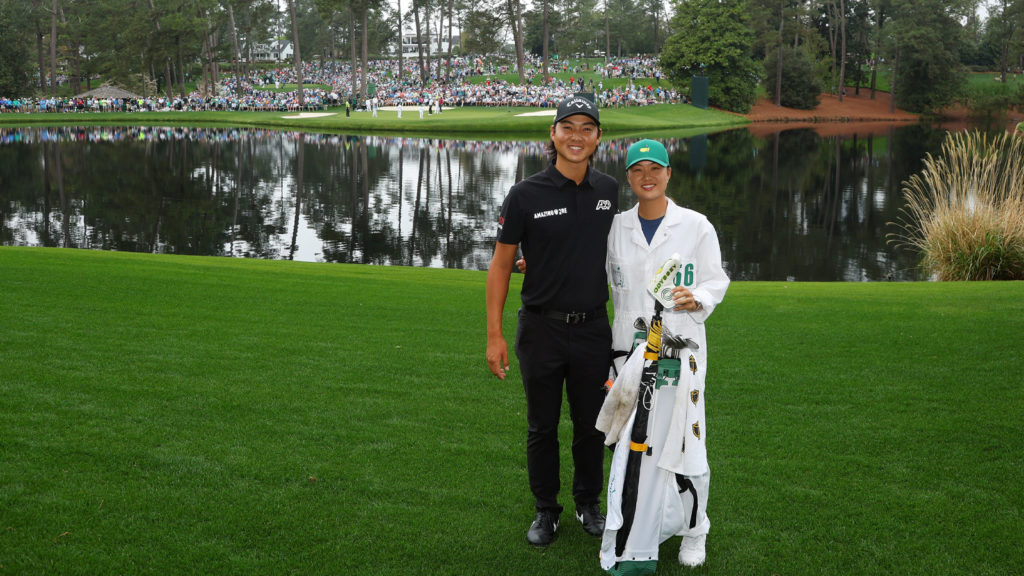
(787, 205)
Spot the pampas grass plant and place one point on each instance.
(965, 210)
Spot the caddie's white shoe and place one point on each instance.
(691, 551)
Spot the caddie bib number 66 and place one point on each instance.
(684, 277)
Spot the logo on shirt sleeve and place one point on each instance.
(604, 205)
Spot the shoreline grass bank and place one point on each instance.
(166, 414)
(519, 122)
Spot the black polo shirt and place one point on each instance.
(563, 230)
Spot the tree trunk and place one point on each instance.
(236, 64)
(1004, 52)
(515, 18)
(419, 41)
(547, 34)
(181, 68)
(451, 11)
(657, 24)
(53, 51)
(520, 51)
(833, 38)
(42, 58)
(426, 54)
(352, 54)
(401, 43)
(75, 74)
(895, 76)
(842, 49)
(607, 33)
(297, 54)
(365, 48)
(878, 45)
(210, 88)
(168, 80)
(778, 65)
(440, 34)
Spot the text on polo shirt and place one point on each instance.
(546, 213)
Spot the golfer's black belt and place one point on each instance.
(569, 317)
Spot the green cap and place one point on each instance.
(646, 150)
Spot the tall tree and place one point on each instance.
(451, 13)
(514, 12)
(842, 49)
(37, 16)
(296, 53)
(607, 32)
(401, 41)
(53, 10)
(417, 5)
(236, 54)
(1005, 20)
(545, 50)
(15, 56)
(778, 64)
(713, 38)
(882, 10)
(926, 35)
(478, 32)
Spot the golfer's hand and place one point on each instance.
(684, 299)
(521, 265)
(497, 357)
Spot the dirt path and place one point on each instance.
(855, 114)
(853, 108)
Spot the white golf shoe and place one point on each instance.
(691, 551)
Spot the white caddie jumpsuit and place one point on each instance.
(677, 431)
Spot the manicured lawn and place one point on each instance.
(991, 79)
(468, 122)
(166, 414)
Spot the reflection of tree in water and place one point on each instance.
(793, 205)
(798, 206)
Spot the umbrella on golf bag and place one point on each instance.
(661, 289)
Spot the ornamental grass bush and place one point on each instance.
(965, 210)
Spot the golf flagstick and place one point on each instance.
(661, 289)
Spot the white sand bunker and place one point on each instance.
(538, 113)
(311, 115)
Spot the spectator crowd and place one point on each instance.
(448, 85)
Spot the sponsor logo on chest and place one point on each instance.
(604, 205)
(546, 213)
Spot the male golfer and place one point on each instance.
(560, 217)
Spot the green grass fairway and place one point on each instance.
(164, 414)
(468, 122)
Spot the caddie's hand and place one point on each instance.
(521, 265)
(497, 357)
(684, 299)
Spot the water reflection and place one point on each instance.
(792, 205)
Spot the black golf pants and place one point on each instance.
(552, 352)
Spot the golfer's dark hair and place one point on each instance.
(550, 152)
